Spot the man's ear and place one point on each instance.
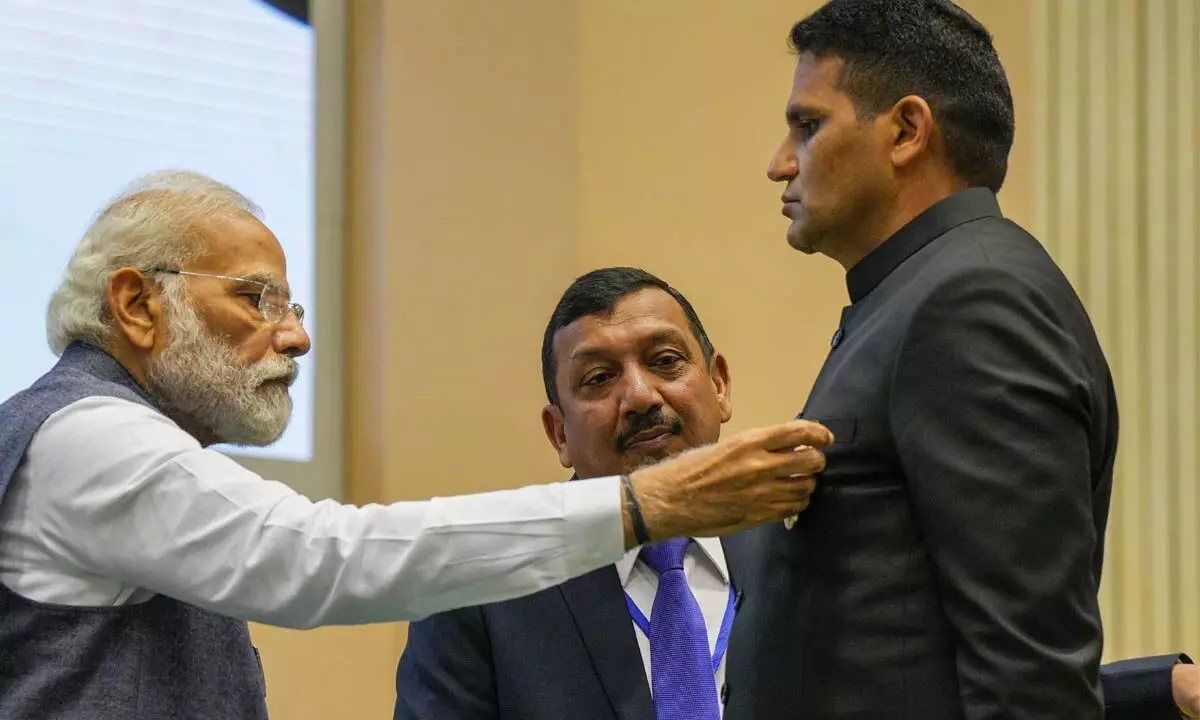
(556, 433)
(722, 382)
(912, 128)
(136, 307)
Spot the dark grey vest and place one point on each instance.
(155, 660)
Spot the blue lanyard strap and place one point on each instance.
(639, 618)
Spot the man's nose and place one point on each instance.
(291, 338)
(640, 393)
(783, 166)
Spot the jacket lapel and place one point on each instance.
(737, 548)
(597, 604)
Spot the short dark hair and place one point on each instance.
(597, 293)
(930, 48)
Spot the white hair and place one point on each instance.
(153, 223)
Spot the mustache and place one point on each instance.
(285, 369)
(657, 420)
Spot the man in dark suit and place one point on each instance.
(641, 379)
(949, 563)
(631, 378)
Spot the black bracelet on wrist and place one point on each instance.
(635, 512)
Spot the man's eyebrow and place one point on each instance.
(586, 353)
(797, 112)
(658, 337)
(266, 278)
(665, 336)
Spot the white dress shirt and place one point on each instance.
(115, 503)
(707, 574)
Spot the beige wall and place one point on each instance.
(463, 217)
(1118, 187)
(497, 150)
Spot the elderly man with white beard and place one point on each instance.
(132, 555)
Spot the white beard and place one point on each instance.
(200, 380)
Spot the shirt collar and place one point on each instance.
(710, 548)
(961, 207)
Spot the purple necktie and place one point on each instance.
(681, 666)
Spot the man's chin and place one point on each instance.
(653, 457)
(257, 430)
(253, 438)
(799, 240)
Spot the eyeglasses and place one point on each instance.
(273, 302)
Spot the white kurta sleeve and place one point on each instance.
(131, 497)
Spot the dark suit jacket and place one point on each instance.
(567, 653)
(570, 652)
(949, 563)
(1140, 689)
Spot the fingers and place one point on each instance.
(805, 484)
(804, 461)
(772, 499)
(791, 496)
(794, 433)
(801, 490)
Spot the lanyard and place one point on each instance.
(642, 622)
